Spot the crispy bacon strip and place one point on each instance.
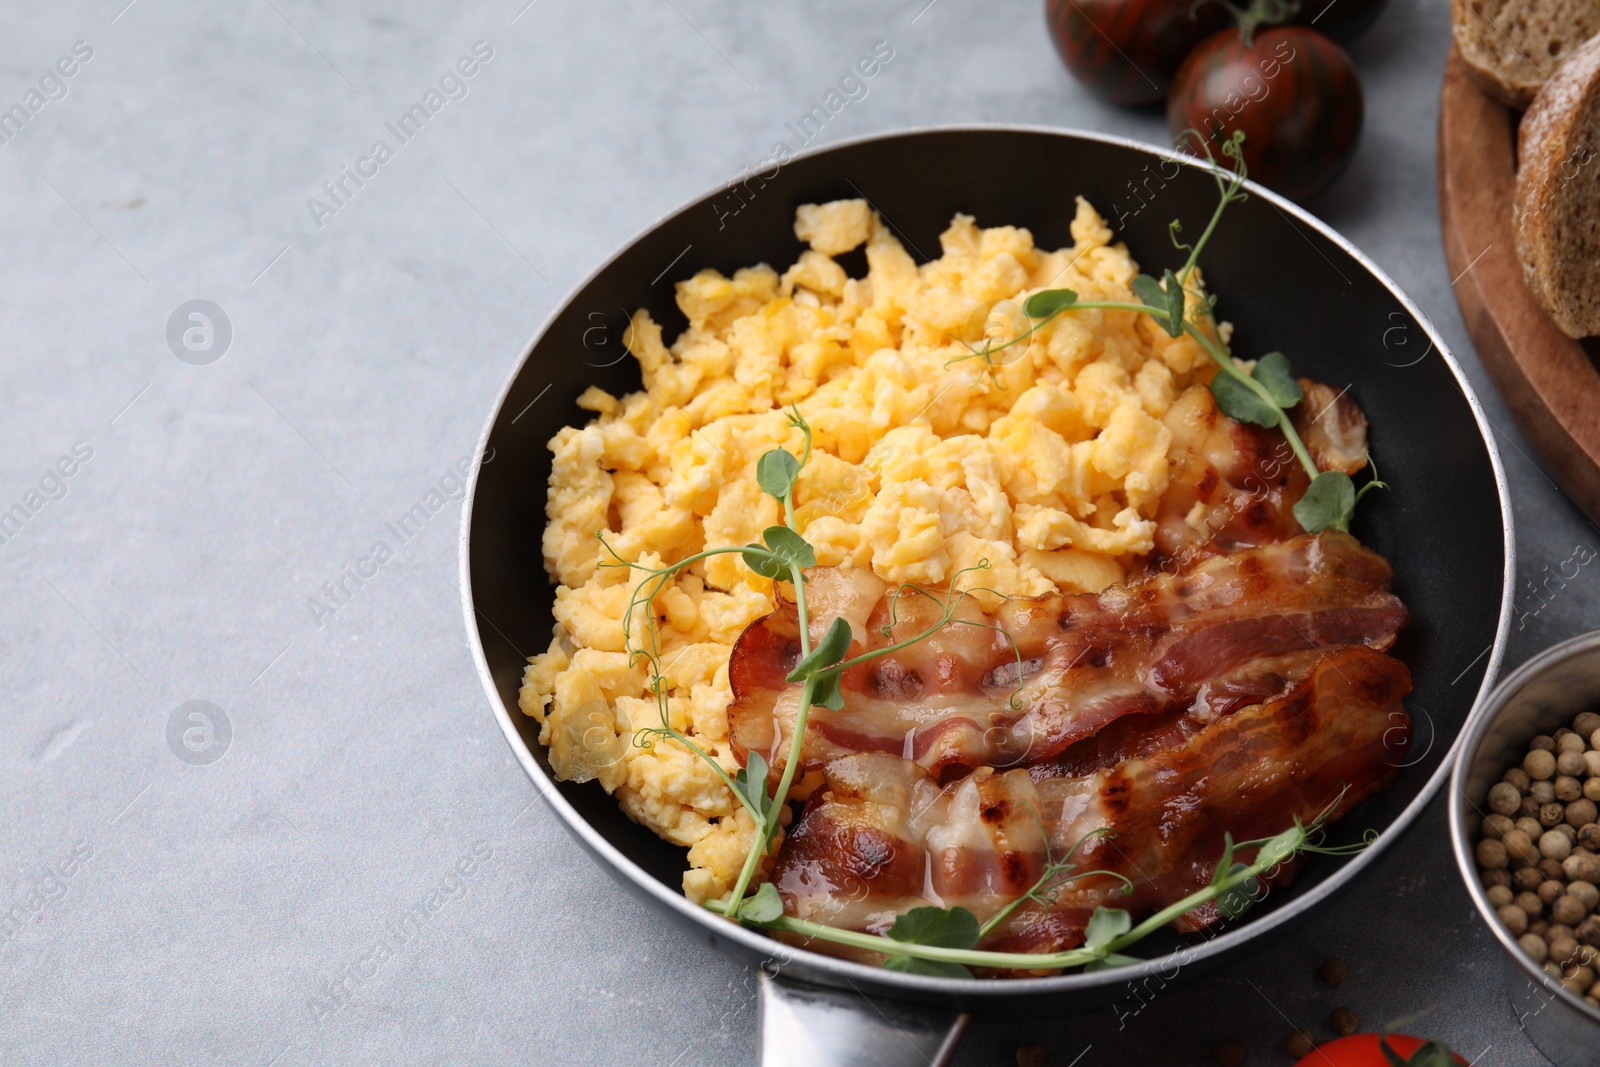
(1024, 683)
(880, 838)
(1234, 485)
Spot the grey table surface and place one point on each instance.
(214, 907)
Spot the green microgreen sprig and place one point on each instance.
(943, 941)
(1263, 395)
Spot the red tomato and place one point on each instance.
(1362, 1051)
(1343, 20)
(1292, 91)
(1126, 51)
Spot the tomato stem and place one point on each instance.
(1259, 13)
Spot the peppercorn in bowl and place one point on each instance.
(1525, 819)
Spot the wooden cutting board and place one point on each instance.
(1549, 381)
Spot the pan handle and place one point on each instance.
(811, 1026)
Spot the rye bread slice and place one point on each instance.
(1556, 211)
(1511, 47)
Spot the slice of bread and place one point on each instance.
(1511, 47)
(1556, 212)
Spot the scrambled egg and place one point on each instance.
(1041, 462)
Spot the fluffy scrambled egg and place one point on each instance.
(1044, 460)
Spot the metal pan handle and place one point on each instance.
(811, 1026)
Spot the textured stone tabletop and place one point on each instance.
(193, 487)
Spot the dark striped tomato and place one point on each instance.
(1292, 91)
(1126, 51)
(1343, 20)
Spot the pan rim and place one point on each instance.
(960, 990)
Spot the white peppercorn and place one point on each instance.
(1542, 743)
(1505, 799)
(1567, 788)
(1528, 825)
(1551, 813)
(1577, 867)
(1567, 910)
(1550, 892)
(1591, 786)
(1494, 826)
(1579, 813)
(1499, 895)
(1572, 763)
(1542, 792)
(1519, 847)
(1516, 776)
(1591, 761)
(1515, 919)
(1586, 723)
(1589, 836)
(1588, 895)
(1569, 742)
(1534, 946)
(1554, 845)
(1560, 949)
(1539, 763)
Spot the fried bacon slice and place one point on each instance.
(880, 837)
(1036, 677)
(1234, 485)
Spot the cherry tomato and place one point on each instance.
(1292, 91)
(1343, 20)
(1362, 1051)
(1126, 51)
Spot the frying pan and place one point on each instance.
(1286, 282)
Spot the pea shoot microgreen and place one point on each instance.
(943, 941)
(1263, 395)
(941, 936)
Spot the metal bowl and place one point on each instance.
(1538, 697)
(1286, 281)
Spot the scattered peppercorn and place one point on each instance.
(1229, 1053)
(1333, 972)
(1299, 1044)
(1030, 1055)
(1343, 1022)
